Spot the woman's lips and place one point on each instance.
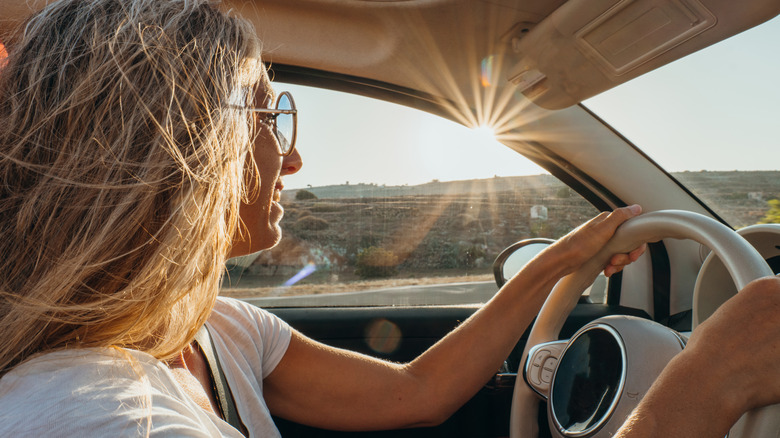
(278, 191)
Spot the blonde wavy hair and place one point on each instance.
(122, 159)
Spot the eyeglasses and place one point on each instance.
(283, 119)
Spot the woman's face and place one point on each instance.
(259, 219)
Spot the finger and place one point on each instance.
(624, 213)
(620, 215)
(620, 259)
(635, 254)
(611, 269)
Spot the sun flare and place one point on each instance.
(485, 133)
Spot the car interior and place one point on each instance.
(522, 68)
(530, 74)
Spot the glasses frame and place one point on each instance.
(276, 112)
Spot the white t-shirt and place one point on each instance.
(117, 392)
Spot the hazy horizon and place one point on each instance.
(289, 188)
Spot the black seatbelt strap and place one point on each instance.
(221, 388)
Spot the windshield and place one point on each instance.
(717, 133)
(395, 206)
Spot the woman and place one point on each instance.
(132, 167)
(123, 166)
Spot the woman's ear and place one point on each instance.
(3, 55)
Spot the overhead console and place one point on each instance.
(589, 46)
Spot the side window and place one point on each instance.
(406, 205)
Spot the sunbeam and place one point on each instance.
(485, 133)
(479, 94)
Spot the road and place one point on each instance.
(434, 294)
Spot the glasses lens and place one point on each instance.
(285, 124)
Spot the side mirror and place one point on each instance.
(512, 259)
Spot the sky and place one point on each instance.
(717, 109)
(730, 119)
(390, 134)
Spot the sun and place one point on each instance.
(485, 133)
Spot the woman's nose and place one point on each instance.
(292, 163)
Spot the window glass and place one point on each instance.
(710, 118)
(394, 206)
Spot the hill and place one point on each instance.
(440, 227)
(491, 185)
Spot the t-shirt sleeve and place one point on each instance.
(260, 338)
(250, 343)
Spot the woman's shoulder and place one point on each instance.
(236, 307)
(95, 392)
(235, 315)
(241, 330)
(85, 368)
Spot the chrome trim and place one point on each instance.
(608, 414)
(681, 338)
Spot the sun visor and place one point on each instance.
(589, 46)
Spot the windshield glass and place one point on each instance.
(711, 119)
(395, 206)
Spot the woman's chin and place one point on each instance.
(271, 237)
(260, 240)
(274, 237)
(265, 234)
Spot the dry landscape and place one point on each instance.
(440, 232)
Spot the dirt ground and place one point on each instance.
(353, 286)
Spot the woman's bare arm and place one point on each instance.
(322, 386)
(728, 368)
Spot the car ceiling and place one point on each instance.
(557, 53)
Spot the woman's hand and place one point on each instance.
(740, 344)
(728, 367)
(585, 241)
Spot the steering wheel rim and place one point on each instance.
(742, 261)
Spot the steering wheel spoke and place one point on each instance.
(540, 366)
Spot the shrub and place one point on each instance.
(433, 253)
(375, 262)
(327, 207)
(540, 229)
(303, 195)
(471, 254)
(563, 193)
(311, 223)
(448, 256)
(772, 215)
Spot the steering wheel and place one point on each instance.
(742, 261)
